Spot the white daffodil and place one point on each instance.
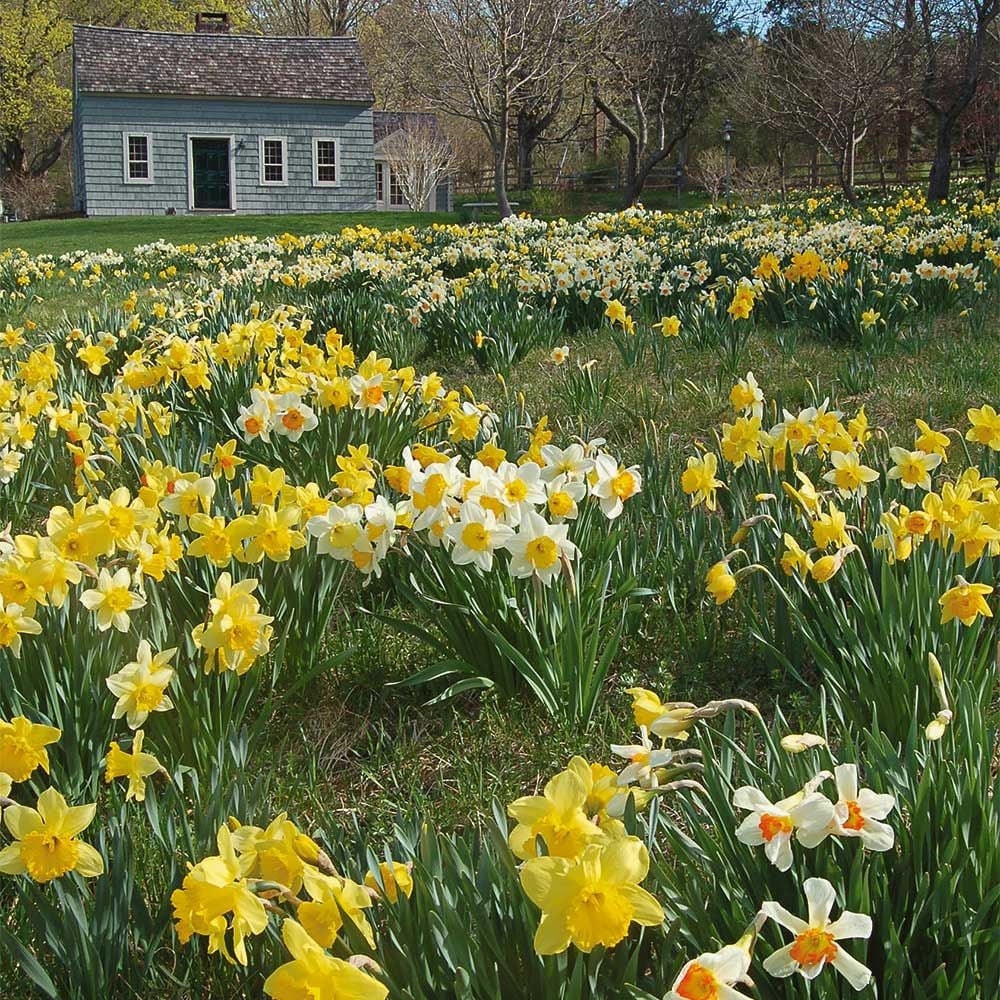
(711, 976)
(338, 531)
(293, 418)
(370, 393)
(521, 490)
(571, 462)
(190, 497)
(380, 525)
(613, 485)
(140, 686)
(807, 816)
(858, 812)
(538, 548)
(475, 536)
(643, 760)
(112, 600)
(815, 944)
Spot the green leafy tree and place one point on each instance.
(36, 39)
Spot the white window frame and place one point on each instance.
(380, 167)
(317, 139)
(231, 139)
(398, 206)
(149, 157)
(284, 160)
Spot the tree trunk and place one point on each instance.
(500, 173)
(940, 179)
(844, 175)
(989, 172)
(633, 188)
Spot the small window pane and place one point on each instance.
(274, 160)
(138, 157)
(326, 161)
(395, 191)
(379, 182)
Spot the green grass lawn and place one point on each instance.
(57, 236)
(122, 233)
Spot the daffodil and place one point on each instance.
(711, 976)
(668, 326)
(643, 760)
(140, 686)
(45, 840)
(476, 536)
(556, 816)
(539, 548)
(848, 474)
(966, 602)
(985, 427)
(15, 622)
(699, 480)
(720, 582)
(314, 973)
(858, 813)
(135, 765)
(112, 600)
(591, 900)
(816, 939)
(22, 747)
(212, 890)
(392, 880)
(913, 468)
(807, 816)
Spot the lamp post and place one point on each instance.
(727, 141)
(679, 177)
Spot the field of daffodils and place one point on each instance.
(723, 607)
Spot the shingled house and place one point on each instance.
(220, 122)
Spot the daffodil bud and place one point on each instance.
(799, 742)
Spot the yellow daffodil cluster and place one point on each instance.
(278, 870)
(961, 513)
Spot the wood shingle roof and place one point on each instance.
(125, 61)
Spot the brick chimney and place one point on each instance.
(211, 23)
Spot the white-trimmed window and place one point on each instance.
(395, 191)
(273, 159)
(380, 182)
(326, 161)
(137, 157)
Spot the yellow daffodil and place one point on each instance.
(22, 747)
(136, 765)
(591, 900)
(314, 973)
(45, 840)
(966, 602)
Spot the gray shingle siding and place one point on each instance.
(102, 119)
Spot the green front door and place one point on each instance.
(210, 164)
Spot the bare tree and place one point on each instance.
(492, 56)
(828, 77)
(661, 63)
(980, 126)
(709, 171)
(420, 157)
(310, 17)
(953, 39)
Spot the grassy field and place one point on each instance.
(57, 236)
(350, 750)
